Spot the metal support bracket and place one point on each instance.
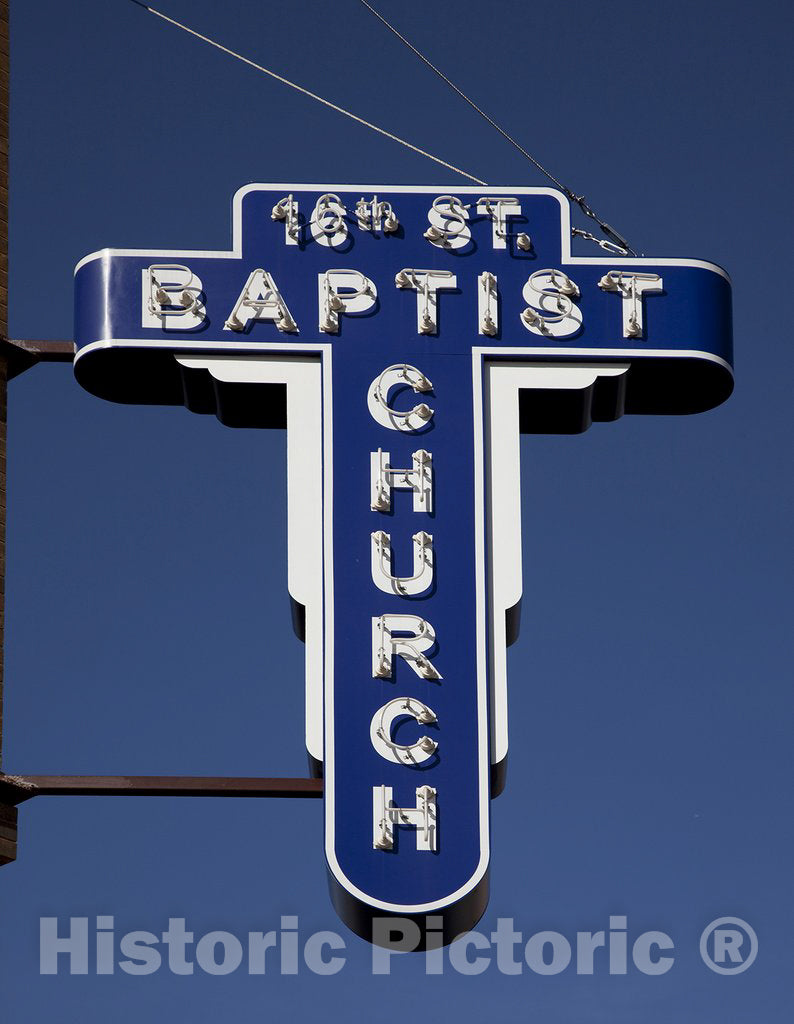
(22, 355)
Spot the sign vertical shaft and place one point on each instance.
(377, 691)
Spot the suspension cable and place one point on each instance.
(580, 200)
(307, 92)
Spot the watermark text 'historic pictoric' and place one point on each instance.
(83, 945)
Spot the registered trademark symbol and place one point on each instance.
(728, 945)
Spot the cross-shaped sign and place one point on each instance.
(405, 336)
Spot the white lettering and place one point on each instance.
(399, 375)
(343, 291)
(448, 218)
(380, 731)
(327, 222)
(286, 209)
(384, 476)
(426, 284)
(171, 297)
(385, 646)
(260, 299)
(631, 288)
(402, 586)
(551, 311)
(385, 816)
(488, 303)
(499, 208)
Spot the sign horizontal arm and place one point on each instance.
(22, 355)
(17, 789)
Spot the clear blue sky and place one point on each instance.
(147, 615)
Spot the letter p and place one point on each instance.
(392, 935)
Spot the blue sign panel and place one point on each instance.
(404, 336)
